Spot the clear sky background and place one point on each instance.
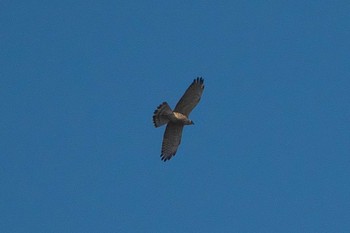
(270, 150)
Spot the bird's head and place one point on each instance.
(188, 122)
(191, 122)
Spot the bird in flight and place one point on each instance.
(177, 119)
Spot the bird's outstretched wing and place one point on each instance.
(171, 140)
(191, 97)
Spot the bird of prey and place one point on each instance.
(178, 118)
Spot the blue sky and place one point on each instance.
(270, 148)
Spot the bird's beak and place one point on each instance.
(192, 123)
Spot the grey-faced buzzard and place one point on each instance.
(178, 118)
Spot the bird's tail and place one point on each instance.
(161, 114)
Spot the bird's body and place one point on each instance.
(178, 118)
